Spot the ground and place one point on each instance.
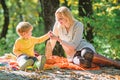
(105, 73)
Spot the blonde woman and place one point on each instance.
(69, 32)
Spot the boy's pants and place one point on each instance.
(24, 60)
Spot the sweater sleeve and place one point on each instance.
(16, 48)
(42, 38)
(78, 34)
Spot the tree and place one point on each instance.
(19, 6)
(66, 4)
(49, 7)
(85, 10)
(6, 19)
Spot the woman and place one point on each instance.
(68, 31)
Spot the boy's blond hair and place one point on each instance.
(23, 27)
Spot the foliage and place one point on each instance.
(7, 44)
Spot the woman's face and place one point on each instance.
(61, 19)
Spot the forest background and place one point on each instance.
(101, 19)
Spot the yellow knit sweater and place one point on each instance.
(26, 46)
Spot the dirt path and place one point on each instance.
(61, 74)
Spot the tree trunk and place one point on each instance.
(20, 14)
(65, 3)
(118, 1)
(85, 10)
(49, 7)
(6, 19)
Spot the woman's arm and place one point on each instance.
(76, 37)
(64, 43)
(55, 33)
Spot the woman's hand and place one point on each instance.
(49, 33)
(53, 37)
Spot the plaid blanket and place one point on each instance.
(9, 61)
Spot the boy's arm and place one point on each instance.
(43, 38)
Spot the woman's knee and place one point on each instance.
(87, 53)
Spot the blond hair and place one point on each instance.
(65, 13)
(23, 27)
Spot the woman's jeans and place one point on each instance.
(84, 57)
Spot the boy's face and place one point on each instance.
(27, 35)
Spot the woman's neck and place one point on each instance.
(68, 26)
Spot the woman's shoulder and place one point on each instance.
(78, 24)
(57, 25)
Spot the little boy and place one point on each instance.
(24, 46)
